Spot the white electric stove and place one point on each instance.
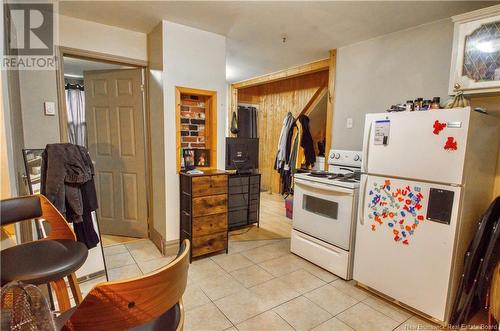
(324, 215)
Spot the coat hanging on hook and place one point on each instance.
(234, 124)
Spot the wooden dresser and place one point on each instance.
(203, 215)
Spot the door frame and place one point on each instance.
(62, 51)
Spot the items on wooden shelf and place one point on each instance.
(203, 211)
(244, 200)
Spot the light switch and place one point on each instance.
(50, 108)
(349, 123)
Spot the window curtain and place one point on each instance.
(75, 104)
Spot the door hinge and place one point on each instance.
(142, 87)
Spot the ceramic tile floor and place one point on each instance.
(261, 286)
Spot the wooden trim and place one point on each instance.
(157, 239)
(103, 57)
(210, 123)
(61, 97)
(313, 101)
(332, 62)
(303, 69)
(233, 108)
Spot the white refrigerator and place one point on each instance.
(427, 177)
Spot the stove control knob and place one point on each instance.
(356, 157)
(337, 156)
(332, 156)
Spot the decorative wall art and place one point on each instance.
(396, 209)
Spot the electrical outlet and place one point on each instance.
(349, 123)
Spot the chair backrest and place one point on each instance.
(35, 206)
(122, 305)
(19, 209)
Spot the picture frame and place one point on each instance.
(189, 157)
(202, 157)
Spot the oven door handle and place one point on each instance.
(331, 189)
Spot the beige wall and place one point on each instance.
(5, 169)
(374, 74)
(197, 59)
(492, 104)
(102, 38)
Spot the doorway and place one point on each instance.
(105, 112)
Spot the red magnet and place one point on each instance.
(450, 144)
(438, 127)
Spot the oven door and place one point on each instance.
(324, 211)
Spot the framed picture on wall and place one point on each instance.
(202, 157)
(188, 155)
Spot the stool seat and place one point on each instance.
(42, 261)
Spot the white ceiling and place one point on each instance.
(74, 68)
(254, 29)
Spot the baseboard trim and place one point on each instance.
(171, 247)
(158, 240)
(167, 248)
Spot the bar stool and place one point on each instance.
(43, 261)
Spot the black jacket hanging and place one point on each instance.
(306, 141)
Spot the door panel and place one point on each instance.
(414, 149)
(115, 124)
(324, 211)
(406, 237)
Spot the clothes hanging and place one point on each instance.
(67, 181)
(281, 154)
(306, 142)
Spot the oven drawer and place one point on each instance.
(329, 257)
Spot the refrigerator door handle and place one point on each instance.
(366, 149)
(364, 179)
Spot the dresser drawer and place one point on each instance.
(214, 204)
(254, 179)
(209, 244)
(209, 185)
(238, 189)
(237, 201)
(239, 181)
(205, 225)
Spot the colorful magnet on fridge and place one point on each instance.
(450, 144)
(373, 227)
(405, 242)
(420, 217)
(438, 127)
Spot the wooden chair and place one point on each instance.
(149, 302)
(43, 261)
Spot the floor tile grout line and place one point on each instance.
(363, 301)
(406, 320)
(213, 303)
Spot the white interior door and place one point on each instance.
(404, 245)
(115, 127)
(413, 149)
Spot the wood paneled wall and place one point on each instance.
(274, 100)
(492, 104)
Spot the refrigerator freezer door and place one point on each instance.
(421, 145)
(403, 248)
